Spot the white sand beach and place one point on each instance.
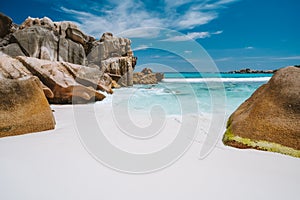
(55, 165)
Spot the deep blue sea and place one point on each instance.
(185, 93)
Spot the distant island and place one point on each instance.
(251, 71)
(254, 71)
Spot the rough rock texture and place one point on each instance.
(70, 51)
(270, 118)
(64, 41)
(115, 57)
(61, 80)
(146, 76)
(12, 49)
(37, 42)
(89, 77)
(11, 68)
(23, 107)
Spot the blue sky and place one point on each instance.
(259, 34)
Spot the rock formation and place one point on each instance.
(41, 58)
(270, 119)
(13, 69)
(24, 107)
(65, 42)
(62, 81)
(115, 57)
(146, 76)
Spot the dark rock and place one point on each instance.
(5, 25)
(159, 76)
(251, 71)
(147, 71)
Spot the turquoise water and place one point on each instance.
(194, 93)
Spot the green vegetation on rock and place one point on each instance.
(260, 144)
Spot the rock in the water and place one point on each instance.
(24, 107)
(146, 76)
(61, 82)
(147, 71)
(270, 119)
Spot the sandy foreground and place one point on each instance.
(55, 165)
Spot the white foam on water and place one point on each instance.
(203, 80)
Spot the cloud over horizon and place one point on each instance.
(116, 17)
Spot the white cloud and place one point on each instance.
(195, 18)
(289, 58)
(146, 32)
(223, 59)
(192, 36)
(217, 32)
(122, 17)
(113, 16)
(141, 47)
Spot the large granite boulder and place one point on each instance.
(38, 42)
(24, 107)
(70, 51)
(270, 119)
(146, 76)
(60, 80)
(115, 57)
(120, 69)
(76, 35)
(12, 49)
(11, 68)
(90, 77)
(45, 39)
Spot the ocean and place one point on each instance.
(191, 93)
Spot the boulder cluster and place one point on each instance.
(44, 62)
(65, 42)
